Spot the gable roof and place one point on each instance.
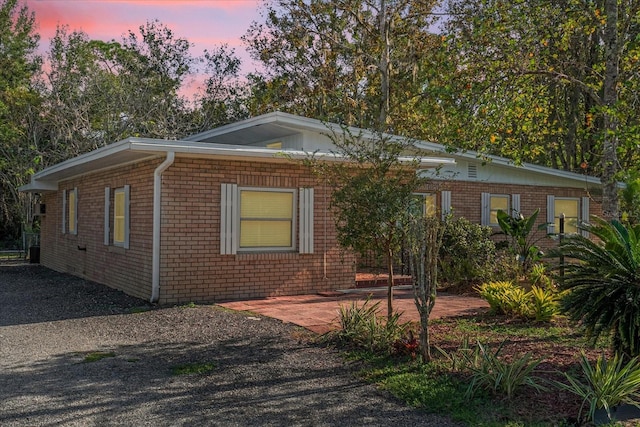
(277, 125)
(241, 140)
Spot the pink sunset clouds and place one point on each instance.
(204, 23)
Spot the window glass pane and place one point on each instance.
(266, 204)
(570, 208)
(497, 203)
(266, 219)
(430, 205)
(255, 234)
(118, 217)
(71, 202)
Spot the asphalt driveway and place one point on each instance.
(264, 371)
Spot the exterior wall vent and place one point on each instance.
(472, 171)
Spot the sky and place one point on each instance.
(204, 23)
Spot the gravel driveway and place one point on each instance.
(265, 372)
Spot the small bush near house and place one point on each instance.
(499, 377)
(467, 254)
(362, 327)
(506, 298)
(607, 384)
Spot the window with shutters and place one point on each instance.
(266, 219)
(492, 203)
(575, 210)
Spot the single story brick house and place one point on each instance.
(225, 215)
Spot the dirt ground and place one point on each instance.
(265, 373)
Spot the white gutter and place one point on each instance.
(157, 209)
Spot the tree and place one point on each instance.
(603, 283)
(425, 239)
(348, 61)
(18, 66)
(100, 92)
(533, 93)
(223, 98)
(373, 191)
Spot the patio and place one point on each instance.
(319, 313)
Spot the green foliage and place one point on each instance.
(522, 241)
(607, 384)
(539, 277)
(193, 368)
(467, 254)
(19, 103)
(539, 304)
(497, 294)
(462, 358)
(630, 199)
(361, 327)
(491, 373)
(98, 355)
(602, 283)
(544, 304)
(350, 62)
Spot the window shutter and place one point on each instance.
(486, 208)
(306, 221)
(107, 208)
(127, 191)
(445, 203)
(515, 205)
(228, 210)
(585, 215)
(551, 215)
(64, 211)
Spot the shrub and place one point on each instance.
(506, 298)
(467, 254)
(608, 384)
(544, 304)
(362, 327)
(604, 295)
(496, 294)
(538, 276)
(491, 373)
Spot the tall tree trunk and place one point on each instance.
(385, 68)
(390, 280)
(610, 98)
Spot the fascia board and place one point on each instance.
(501, 161)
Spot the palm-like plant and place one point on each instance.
(604, 283)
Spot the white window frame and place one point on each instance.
(65, 211)
(239, 220)
(552, 215)
(513, 207)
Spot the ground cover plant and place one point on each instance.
(516, 366)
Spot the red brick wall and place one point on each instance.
(193, 268)
(127, 270)
(466, 201)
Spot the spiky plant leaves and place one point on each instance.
(603, 277)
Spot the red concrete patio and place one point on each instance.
(319, 313)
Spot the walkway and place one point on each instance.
(319, 313)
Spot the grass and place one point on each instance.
(98, 355)
(193, 368)
(436, 388)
